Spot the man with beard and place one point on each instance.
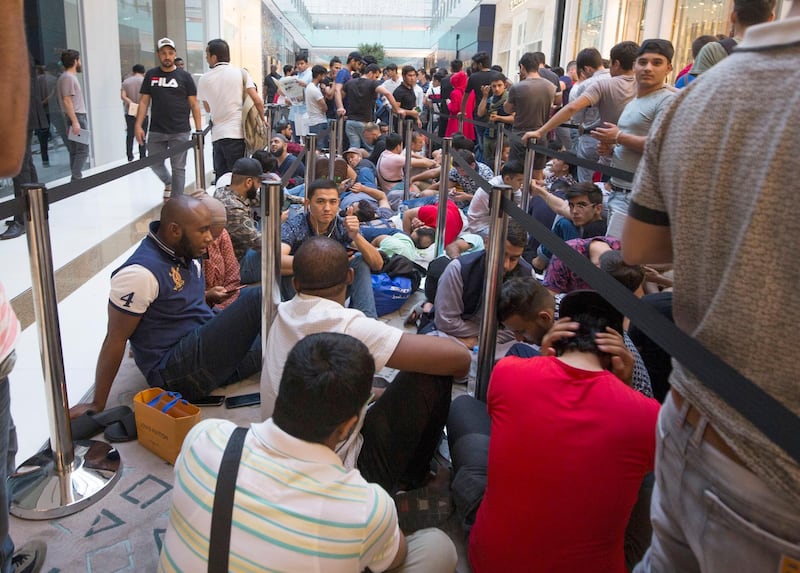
(74, 106)
(157, 301)
(171, 94)
(239, 198)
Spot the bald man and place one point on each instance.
(220, 266)
(158, 302)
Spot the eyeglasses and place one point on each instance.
(581, 205)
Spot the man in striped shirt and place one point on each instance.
(296, 507)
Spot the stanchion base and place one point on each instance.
(37, 491)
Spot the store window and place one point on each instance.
(590, 20)
(630, 23)
(695, 18)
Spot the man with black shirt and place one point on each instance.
(446, 90)
(405, 96)
(270, 87)
(344, 75)
(360, 103)
(482, 75)
(173, 95)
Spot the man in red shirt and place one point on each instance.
(570, 443)
(426, 216)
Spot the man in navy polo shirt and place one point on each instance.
(157, 302)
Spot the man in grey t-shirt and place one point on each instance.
(69, 90)
(626, 139)
(129, 92)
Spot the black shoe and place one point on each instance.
(29, 558)
(14, 230)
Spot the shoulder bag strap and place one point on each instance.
(219, 543)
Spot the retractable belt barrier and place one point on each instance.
(16, 206)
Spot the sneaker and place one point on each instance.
(29, 558)
(14, 230)
(167, 192)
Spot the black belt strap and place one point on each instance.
(219, 542)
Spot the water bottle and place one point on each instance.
(472, 378)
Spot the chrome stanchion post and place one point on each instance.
(391, 120)
(66, 477)
(333, 135)
(500, 139)
(441, 214)
(269, 119)
(311, 158)
(527, 175)
(271, 201)
(340, 135)
(408, 133)
(199, 160)
(460, 122)
(493, 281)
(429, 146)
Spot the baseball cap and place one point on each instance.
(657, 46)
(352, 150)
(280, 136)
(247, 166)
(166, 42)
(592, 303)
(354, 56)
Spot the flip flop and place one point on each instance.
(123, 430)
(90, 424)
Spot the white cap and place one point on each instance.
(166, 42)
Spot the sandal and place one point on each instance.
(419, 311)
(123, 430)
(90, 424)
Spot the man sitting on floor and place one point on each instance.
(401, 431)
(297, 507)
(322, 200)
(570, 444)
(158, 302)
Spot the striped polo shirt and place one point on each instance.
(296, 508)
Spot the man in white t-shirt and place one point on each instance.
(297, 508)
(478, 218)
(316, 106)
(220, 90)
(402, 429)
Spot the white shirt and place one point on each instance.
(304, 315)
(221, 88)
(315, 102)
(478, 215)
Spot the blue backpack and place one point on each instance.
(390, 293)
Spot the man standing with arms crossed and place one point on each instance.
(727, 497)
(173, 95)
(71, 94)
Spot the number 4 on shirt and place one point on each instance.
(128, 298)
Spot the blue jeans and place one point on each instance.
(225, 152)
(250, 267)
(711, 514)
(618, 201)
(224, 350)
(324, 140)
(586, 148)
(158, 142)
(354, 130)
(8, 449)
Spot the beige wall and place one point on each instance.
(241, 28)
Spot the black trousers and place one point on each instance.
(130, 122)
(403, 428)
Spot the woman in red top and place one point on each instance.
(459, 83)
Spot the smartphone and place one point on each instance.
(347, 183)
(240, 287)
(242, 400)
(209, 401)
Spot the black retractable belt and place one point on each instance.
(219, 542)
(772, 418)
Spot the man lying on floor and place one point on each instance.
(158, 302)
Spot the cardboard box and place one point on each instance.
(163, 432)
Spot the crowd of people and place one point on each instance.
(558, 470)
